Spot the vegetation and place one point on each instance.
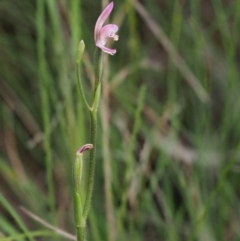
(168, 144)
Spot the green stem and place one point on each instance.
(80, 86)
(93, 117)
(81, 215)
(81, 48)
(97, 70)
(77, 174)
(80, 233)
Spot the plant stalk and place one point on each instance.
(93, 137)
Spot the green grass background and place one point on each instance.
(168, 149)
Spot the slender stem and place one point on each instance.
(77, 173)
(81, 215)
(81, 48)
(77, 176)
(93, 117)
(97, 69)
(80, 233)
(91, 167)
(80, 86)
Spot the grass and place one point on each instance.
(167, 163)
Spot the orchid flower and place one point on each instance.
(101, 34)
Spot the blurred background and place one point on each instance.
(168, 154)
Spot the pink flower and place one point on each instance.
(101, 34)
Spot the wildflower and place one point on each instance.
(101, 34)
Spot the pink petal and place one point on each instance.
(106, 32)
(107, 50)
(101, 19)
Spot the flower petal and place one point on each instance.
(107, 50)
(101, 19)
(108, 31)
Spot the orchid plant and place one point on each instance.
(101, 35)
